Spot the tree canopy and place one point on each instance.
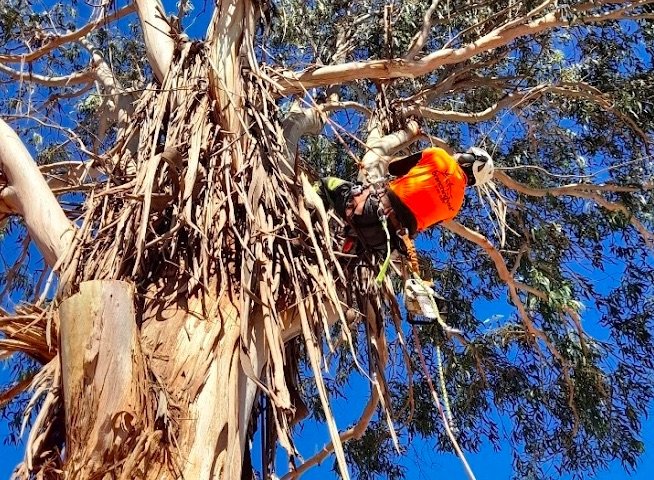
(548, 276)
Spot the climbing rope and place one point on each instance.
(446, 423)
(448, 418)
(446, 397)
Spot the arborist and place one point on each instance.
(423, 189)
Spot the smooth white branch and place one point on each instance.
(74, 78)
(26, 193)
(159, 43)
(293, 82)
(380, 148)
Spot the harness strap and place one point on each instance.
(387, 260)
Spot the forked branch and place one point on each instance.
(587, 191)
(380, 148)
(505, 275)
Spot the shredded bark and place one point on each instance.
(198, 212)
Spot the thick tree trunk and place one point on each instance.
(201, 369)
(103, 376)
(195, 401)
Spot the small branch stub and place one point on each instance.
(103, 374)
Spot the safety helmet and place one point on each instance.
(481, 166)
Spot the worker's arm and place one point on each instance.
(401, 166)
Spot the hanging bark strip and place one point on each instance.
(224, 256)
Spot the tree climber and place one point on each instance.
(425, 188)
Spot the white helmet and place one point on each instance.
(482, 166)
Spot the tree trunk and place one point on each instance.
(161, 384)
(103, 375)
(210, 396)
(200, 397)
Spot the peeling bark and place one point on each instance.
(104, 379)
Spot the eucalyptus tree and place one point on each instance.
(169, 272)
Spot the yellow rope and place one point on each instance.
(412, 253)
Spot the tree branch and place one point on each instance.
(299, 122)
(420, 38)
(75, 78)
(380, 148)
(345, 105)
(581, 191)
(512, 100)
(402, 68)
(303, 121)
(534, 332)
(26, 193)
(352, 433)
(59, 40)
(159, 43)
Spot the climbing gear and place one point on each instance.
(365, 208)
(418, 299)
(482, 166)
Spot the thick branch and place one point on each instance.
(48, 81)
(402, 68)
(380, 148)
(26, 193)
(299, 122)
(159, 44)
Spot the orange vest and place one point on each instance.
(433, 189)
